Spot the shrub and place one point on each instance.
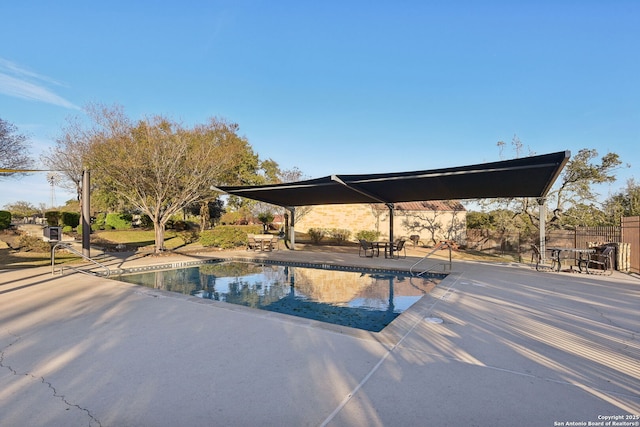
(145, 221)
(189, 236)
(67, 229)
(265, 217)
(5, 219)
(118, 221)
(340, 235)
(99, 221)
(71, 219)
(53, 218)
(368, 235)
(181, 225)
(231, 218)
(227, 236)
(316, 234)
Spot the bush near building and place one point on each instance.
(368, 235)
(118, 221)
(228, 236)
(70, 219)
(5, 219)
(53, 218)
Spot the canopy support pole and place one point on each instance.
(542, 213)
(292, 228)
(391, 207)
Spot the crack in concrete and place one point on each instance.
(92, 419)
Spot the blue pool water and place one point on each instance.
(363, 300)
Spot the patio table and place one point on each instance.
(382, 244)
(583, 257)
(264, 239)
(385, 246)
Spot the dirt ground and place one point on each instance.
(8, 239)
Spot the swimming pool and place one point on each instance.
(365, 299)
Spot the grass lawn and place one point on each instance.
(142, 240)
(136, 238)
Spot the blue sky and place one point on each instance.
(335, 86)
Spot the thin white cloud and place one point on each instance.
(18, 82)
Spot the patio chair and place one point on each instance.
(272, 245)
(542, 264)
(601, 261)
(367, 249)
(393, 250)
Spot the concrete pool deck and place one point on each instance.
(515, 347)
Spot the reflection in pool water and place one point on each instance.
(368, 301)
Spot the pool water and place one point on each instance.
(363, 300)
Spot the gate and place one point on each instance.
(631, 236)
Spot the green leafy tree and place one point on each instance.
(579, 176)
(5, 219)
(585, 215)
(265, 218)
(623, 204)
(21, 209)
(208, 211)
(479, 220)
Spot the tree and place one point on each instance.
(623, 204)
(574, 187)
(158, 166)
(265, 218)
(208, 211)
(584, 215)
(21, 209)
(479, 220)
(14, 150)
(578, 177)
(70, 155)
(431, 220)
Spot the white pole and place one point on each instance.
(542, 212)
(292, 231)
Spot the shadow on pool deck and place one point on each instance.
(515, 346)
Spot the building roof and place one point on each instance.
(431, 205)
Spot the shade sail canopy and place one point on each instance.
(524, 177)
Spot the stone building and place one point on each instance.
(433, 221)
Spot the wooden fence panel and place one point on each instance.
(631, 236)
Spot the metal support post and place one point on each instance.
(86, 214)
(391, 207)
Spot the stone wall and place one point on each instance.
(358, 217)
